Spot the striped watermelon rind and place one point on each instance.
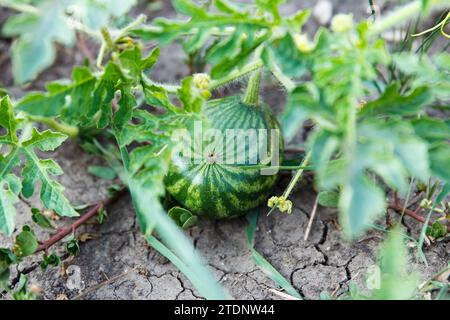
(217, 189)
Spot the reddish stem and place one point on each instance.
(411, 213)
(62, 233)
(84, 48)
(294, 149)
(396, 203)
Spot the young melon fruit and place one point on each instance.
(210, 183)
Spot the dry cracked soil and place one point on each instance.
(116, 263)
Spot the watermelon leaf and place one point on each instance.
(34, 169)
(48, 22)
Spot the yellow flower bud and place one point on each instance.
(342, 23)
(303, 44)
(272, 202)
(202, 80)
(281, 203)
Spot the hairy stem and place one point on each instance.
(69, 130)
(286, 82)
(401, 209)
(251, 96)
(249, 68)
(134, 24)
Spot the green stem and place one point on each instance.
(22, 7)
(297, 176)
(251, 96)
(69, 130)
(136, 23)
(286, 82)
(402, 14)
(249, 68)
(170, 88)
(294, 180)
(101, 55)
(282, 168)
(110, 45)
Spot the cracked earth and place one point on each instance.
(118, 264)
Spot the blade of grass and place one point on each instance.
(420, 253)
(179, 250)
(422, 236)
(166, 252)
(423, 232)
(262, 263)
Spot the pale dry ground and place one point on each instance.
(323, 263)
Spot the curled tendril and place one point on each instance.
(441, 25)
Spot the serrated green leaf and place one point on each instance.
(196, 42)
(3, 92)
(7, 257)
(182, 217)
(73, 247)
(41, 220)
(45, 141)
(51, 260)
(360, 203)
(396, 281)
(328, 199)
(271, 6)
(292, 61)
(8, 120)
(26, 243)
(106, 173)
(297, 20)
(72, 99)
(444, 192)
(393, 103)
(301, 105)
(96, 14)
(392, 142)
(189, 8)
(51, 22)
(34, 169)
(323, 145)
(230, 63)
(34, 50)
(131, 61)
(10, 186)
(230, 46)
(431, 129)
(157, 96)
(440, 159)
(104, 93)
(436, 230)
(149, 61)
(426, 71)
(51, 192)
(126, 104)
(227, 7)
